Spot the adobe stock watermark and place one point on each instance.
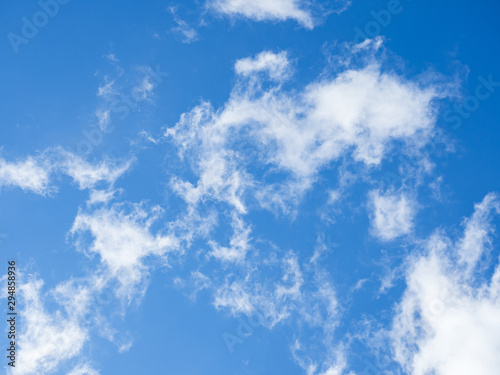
(482, 92)
(381, 19)
(437, 306)
(122, 106)
(327, 248)
(32, 25)
(244, 330)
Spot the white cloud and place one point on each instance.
(337, 364)
(187, 33)
(35, 174)
(31, 174)
(123, 240)
(87, 175)
(83, 369)
(392, 214)
(47, 339)
(100, 196)
(50, 341)
(476, 241)
(276, 65)
(125, 347)
(273, 10)
(234, 297)
(220, 178)
(447, 322)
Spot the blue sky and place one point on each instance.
(266, 187)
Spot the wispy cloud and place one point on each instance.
(36, 174)
(187, 33)
(238, 244)
(83, 369)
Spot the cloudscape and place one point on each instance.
(250, 187)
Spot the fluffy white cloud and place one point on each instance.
(31, 174)
(265, 10)
(391, 214)
(275, 10)
(447, 322)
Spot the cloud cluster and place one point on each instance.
(122, 237)
(361, 113)
(264, 148)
